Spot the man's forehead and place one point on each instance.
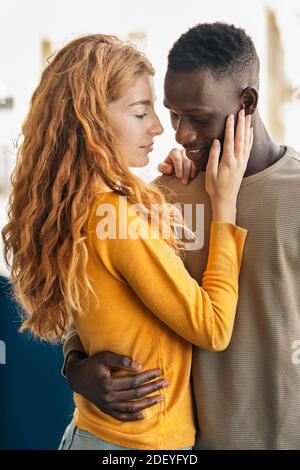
(194, 89)
(202, 79)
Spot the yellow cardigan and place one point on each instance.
(152, 310)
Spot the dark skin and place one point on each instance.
(199, 105)
(93, 377)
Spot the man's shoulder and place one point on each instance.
(165, 181)
(292, 153)
(168, 186)
(175, 191)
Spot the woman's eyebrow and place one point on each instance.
(144, 102)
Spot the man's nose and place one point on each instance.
(185, 133)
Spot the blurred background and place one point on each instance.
(35, 401)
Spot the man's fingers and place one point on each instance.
(134, 406)
(132, 411)
(135, 393)
(112, 360)
(127, 416)
(134, 381)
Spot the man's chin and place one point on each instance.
(200, 159)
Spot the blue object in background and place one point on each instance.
(36, 403)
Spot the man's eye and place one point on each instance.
(174, 115)
(141, 116)
(200, 121)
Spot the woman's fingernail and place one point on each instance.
(243, 112)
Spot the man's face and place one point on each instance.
(199, 105)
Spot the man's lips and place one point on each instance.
(194, 152)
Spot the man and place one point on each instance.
(248, 396)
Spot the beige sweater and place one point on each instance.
(248, 396)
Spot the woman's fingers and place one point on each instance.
(178, 163)
(249, 145)
(237, 143)
(228, 146)
(166, 168)
(176, 158)
(193, 170)
(240, 135)
(248, 138)
(172, 164)
(213, 161)
(186, 166)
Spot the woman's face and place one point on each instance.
(134, 121)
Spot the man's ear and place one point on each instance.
(249, 100)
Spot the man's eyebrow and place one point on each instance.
(189, 110)
(144, 102)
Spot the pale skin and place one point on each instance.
(136, 124)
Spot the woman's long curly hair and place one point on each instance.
(68, 148)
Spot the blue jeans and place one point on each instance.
(75, 438)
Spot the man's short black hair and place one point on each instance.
(219, 47)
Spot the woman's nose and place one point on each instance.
(157, 128)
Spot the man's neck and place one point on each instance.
(264, 152)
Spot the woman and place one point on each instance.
(85, 244)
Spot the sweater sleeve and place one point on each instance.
(72, 343)
(203, 315)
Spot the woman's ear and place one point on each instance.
(249, 100)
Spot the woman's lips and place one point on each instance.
(148, 148)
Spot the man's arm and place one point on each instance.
(92, 377)
(72, 347)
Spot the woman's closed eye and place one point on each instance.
(141, 116)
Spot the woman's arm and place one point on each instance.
(203, 315)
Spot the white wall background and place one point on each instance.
(24, 24)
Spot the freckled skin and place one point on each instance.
(199, 104)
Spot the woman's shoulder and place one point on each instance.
(113, 210)
(106, 200)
